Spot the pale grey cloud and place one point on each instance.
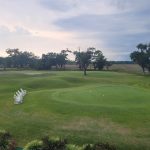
(114, 26)
(117, 32)
(62, 5)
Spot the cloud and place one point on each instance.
(61, 5)
(107, 23)
(16, 31)
(67, 8)
(119, 32)
(39, 43)
(114, 26)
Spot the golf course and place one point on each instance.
(104, 106)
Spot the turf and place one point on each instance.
(103, 106)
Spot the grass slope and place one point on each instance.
(104, 106)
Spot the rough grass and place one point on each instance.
(130, 68)
(104, 106)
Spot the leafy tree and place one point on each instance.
(83, 59)
(20, 59)
(5, 62)
(61, 58)
(99, 60)
(54, 59)
(93, 56)
(142, 56)
(141, 47)
(13, 55)
(48, 60)
(138, 57)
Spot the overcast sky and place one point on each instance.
(113, 26)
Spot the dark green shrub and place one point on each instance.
(104, 146)
(34, 145)
(100, 146)
(12, 145)
(73, 147)
(46, 143)
(88, 147)
(53, 144)
(4, 140)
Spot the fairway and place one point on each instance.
(103, 106)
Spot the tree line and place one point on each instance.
(92, 57)
(25, 59)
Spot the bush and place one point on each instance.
(46, 143)
(53, 143)
(88, 147)
(12, 145)
(34, 145)
(4, 140)
(100, 146)
(73, 147)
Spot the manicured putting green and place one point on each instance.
(105, 95)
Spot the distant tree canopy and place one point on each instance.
(20, 59)
(142, 56)
(58, 60)
(83, 59)
(25, 59)
(90, 56)
(98, 59)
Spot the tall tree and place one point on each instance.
(83, 59)
(54, 59)
(48, 60)
(61, 58)
(20, 59)
(142, 56)
(98, 60)
(141, 47)
(13, 55)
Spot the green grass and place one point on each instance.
(104, 106)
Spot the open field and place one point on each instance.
(130, 68)
(104, 106)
